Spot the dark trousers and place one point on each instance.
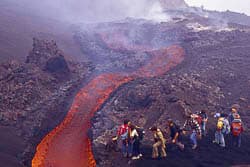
(136, 147)
(127, 148)
(237, 140)
(203, 128)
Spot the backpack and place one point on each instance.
(226, 127)
(236, 127)
(141, 133)
(233, 116)
(220, 123)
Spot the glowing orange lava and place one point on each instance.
(68, 144)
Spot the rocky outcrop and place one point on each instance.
(34, 93)
(47, 56)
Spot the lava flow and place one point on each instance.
(68, 144)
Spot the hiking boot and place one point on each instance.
(135, 157)
(215, 142)
(194, 147)
(223, 146)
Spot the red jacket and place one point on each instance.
(123, 129)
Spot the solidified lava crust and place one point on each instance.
(68, 144)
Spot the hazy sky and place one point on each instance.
(105, 10)
(93, 10)
(241, 6)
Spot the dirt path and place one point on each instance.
(68, 144)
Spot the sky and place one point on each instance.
(241, 6)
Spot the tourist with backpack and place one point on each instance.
(136, 137)
(195, 127)
(175, 133)
(226, 125)
(232, 115)
(236, 129)
(159, 141)
(124, 134)
(220, 130)
(204, 119)
(234, 111)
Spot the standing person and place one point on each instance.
(124, 133)
(204, 117)
(231, 116)
(196, 130)
(226, 125)
(237, 129)
(219, 136)
(160, 141)
(175, 133)
(135, 139)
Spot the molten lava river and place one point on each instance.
(68, 144)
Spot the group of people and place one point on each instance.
(132, 135)
(229, 124)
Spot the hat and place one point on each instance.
(236, 106)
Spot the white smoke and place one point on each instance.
(95, 10)
(156, 13)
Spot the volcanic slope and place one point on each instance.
(213, 76)
(67, 145)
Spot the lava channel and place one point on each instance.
(68, 144)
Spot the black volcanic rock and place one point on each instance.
(47, 56)
(34, 96)
(57, 65)
(41, 52)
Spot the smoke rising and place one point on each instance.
(94, 10)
